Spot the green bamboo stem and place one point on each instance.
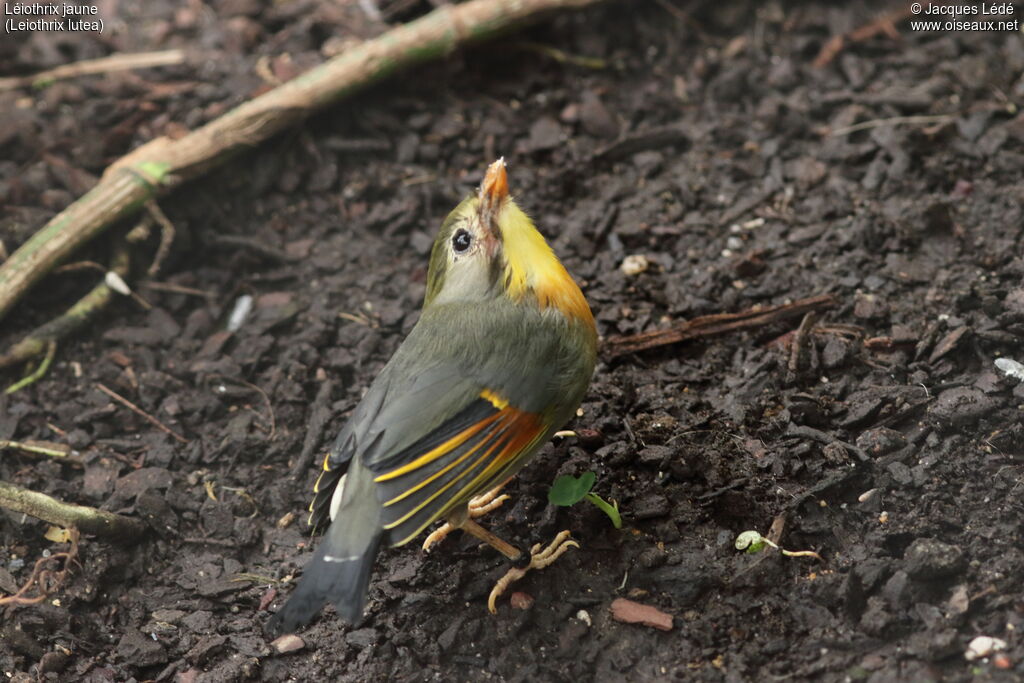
(162, 164)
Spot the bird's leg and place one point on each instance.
(538, 560)
(478, 507)
(507, 549)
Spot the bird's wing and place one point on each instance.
(465, 455)
(415, 448)
(436, 429)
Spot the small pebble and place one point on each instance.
(867, 495)
(287, 643)
(584, 616)
(520, 600)
(1011, 368)
(243, 306)
(983, 646)
(634, 264)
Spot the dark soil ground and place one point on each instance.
(883, 437)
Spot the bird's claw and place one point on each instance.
(478, 507)
(538, 560)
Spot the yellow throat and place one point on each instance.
(531, 266)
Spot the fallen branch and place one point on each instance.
(712, 325)
(122, 62)
(106, 525)
(162, 164)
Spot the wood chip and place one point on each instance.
(268, 597)
(634, 613)
(948, 343)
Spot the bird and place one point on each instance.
(500, 358)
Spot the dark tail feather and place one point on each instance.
(340, 569)
(343, 583)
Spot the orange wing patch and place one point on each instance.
(465, 463)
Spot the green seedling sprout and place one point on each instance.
(568, 490)
(753, 542)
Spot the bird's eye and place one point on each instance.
(461, 241)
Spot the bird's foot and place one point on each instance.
(478, 507)
(538, 560)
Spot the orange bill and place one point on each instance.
(494, 189)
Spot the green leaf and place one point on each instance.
(569, 490)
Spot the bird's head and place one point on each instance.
(489, 248)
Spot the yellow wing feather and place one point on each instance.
(463, 465)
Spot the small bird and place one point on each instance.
(499, 360)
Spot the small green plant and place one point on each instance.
(568, 490)
(753, 542)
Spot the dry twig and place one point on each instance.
(140, 412)
(712, 325)
(891, 121)
(885, 24)
(43, 448)
(801, 349)
(167, 233)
